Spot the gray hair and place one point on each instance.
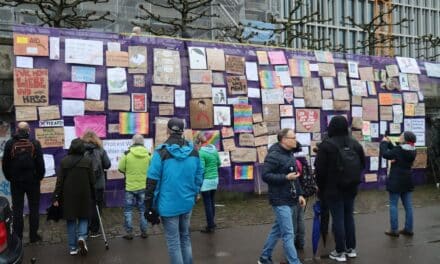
(138, 139)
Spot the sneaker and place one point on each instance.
(392, 233)
(406, 233)
(36, 238)
(128, 236)
(340, 257)
(73, 252)
(95, 234)
(264, 261)
(83, 250)
(351, 253)
(207, 230)
(144, 234)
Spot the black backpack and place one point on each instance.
(23, 153)
(95, 156)
(348, 164)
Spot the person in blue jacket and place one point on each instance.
(174, 179)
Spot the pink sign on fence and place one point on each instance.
(95, 123)
(73, 90)
(277, 57)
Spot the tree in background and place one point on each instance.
(428, 42)
(375, 37)
(184, 15)
(60, 13)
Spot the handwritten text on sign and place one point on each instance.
(308, 120)
(31, 87)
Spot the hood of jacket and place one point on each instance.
(338, 127)
(90, 146)
(139, 151)
(209, 148)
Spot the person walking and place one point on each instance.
(399, 182)
(74, 190)
(279, 172)
(339, 164)
(210, 163)
(174, 179)
(134, 164)
(100, 162)
(23, 167)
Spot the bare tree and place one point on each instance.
(187, 14)
(428, 42)
(375, 37)
(60, 13)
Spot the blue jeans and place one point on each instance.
(298, 225)
(394, 211)
(176, 229)
(77, 229)
(209, 203)
(344, 232)
(281, 229)
(135, 198)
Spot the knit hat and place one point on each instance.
(409, 137)
(176, 125)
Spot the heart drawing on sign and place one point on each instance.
(307, 118)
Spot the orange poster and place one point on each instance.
(385, 99)
(31, 45)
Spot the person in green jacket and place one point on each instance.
(134, 164)
(210, 162)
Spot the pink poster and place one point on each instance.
(277, 57)
(73, 90)
(96, 123)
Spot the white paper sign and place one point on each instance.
(417, 126)
(383, 127)
(253, 92)
(395, 128)
(251, 71)
(304, 138)
(327, 104)
(272, 96)
(24, 62)
(81, 51)
(397, 114)
(197, 58)
(51, 123)
(93, 91)
(225, 160)
(72, 107)
(69, 135)
(288, 123)
(353, 71)
(356, 111)
(54, 48)
(408, 65)
(313, 67)
(403, 80)
(432, 69)
(299, 102)
(113, 46)
(179, 99)
(116, 147)
(374, 130)
(116, 80)
(49, 164)
(374, 163)
(283, 73)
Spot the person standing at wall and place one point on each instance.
(399, 182)
(339, 164)
(174, 179)
(23, 166)
(134, 165)
(210, 163)
(74, 190)
(101, 162)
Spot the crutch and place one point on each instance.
(102, 228)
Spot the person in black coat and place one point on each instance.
(399, 182)
(338, 197)
(23, 166)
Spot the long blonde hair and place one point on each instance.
(91, 137)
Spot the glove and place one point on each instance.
(152, 216)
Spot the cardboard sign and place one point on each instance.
(260, 129)
(286, 110)
(308, 120)
(273, 127)
(246, 140)
(371, 149)
(370, 177)
(139, 102)
(370, 109)
(237, 84)
(200, 76)
(357, 122)
(262, 153)
(392, 70)
(166, 109)
(218, 78)
(386, 113)
(113, 128)
(162, 94)
(326, 70)
(202, 91)
(410, 98)
(48, 185)
(138, 80)
(421, 159)
(366, 73)
(201, 113)
(160, 124)
(410, 109)
(26, 113)
(116, 58)
(298, 92)
(312, 92)
(166, 67)
(420, 109)
(50, 137)
(228, 144)
(341, 105)
(257, 117)
(31, 87)
(356, 100)
(31, 45)
(341, 94)
(215, 59)
(235, 64)
(271, 113)
(261, 141)
(227, 132)
(327, 95)
(94, 106)
(119, 102)
(137, 59)
(244, 155)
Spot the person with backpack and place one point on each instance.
(339, 164)
(399, 182)
(174, 179)
(23, 167)
(73, 192)
(101, 162)
(134, 165)
(210, 163)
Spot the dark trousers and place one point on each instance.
(341, 210)
(32, 191)
(209, 202)
(94, 221)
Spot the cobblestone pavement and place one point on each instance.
(243, 211)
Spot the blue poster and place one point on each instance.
(83, 74)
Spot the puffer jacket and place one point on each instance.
(105, 163)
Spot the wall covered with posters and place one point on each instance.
(67, 81)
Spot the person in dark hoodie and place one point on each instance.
(174, 179)
(23, 166)
(399, 182)
(279, 172)
(76, 170)
(100, 162)
(335, 189)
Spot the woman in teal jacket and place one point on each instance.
(210, 162)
